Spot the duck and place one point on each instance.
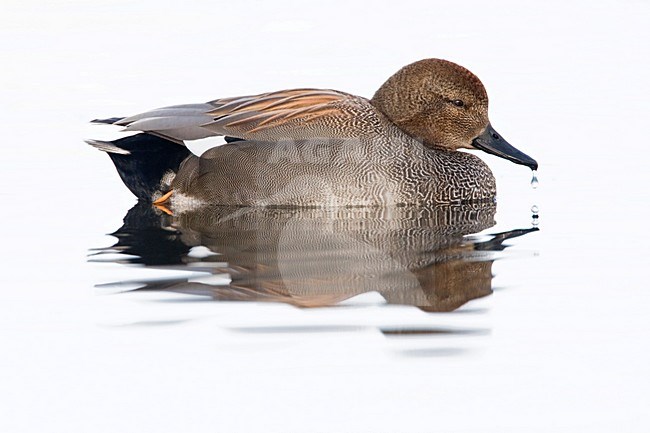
(311, 147)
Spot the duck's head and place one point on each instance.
(444, 106)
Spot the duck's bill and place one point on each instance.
(491, 142)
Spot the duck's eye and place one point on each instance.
(458, 103)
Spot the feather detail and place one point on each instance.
(287, 114)
(107, 146)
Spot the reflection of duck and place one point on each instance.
(310, 147)
(318, 257)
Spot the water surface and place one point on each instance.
(424, 257)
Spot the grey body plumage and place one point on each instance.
(334, 172)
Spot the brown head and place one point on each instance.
(444, 106)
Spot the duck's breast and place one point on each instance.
(459, 177)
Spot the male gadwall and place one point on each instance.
(312, 147)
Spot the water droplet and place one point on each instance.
(534, 181)
(535, 210)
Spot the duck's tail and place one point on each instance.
(146, 163)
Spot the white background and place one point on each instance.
(567, 341)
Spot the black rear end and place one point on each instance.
(146, 163)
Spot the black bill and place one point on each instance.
(491, 142)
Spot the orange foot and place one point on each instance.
(162, 201)
(164, 198)
(163, 208)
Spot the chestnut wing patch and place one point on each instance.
(290, 114)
